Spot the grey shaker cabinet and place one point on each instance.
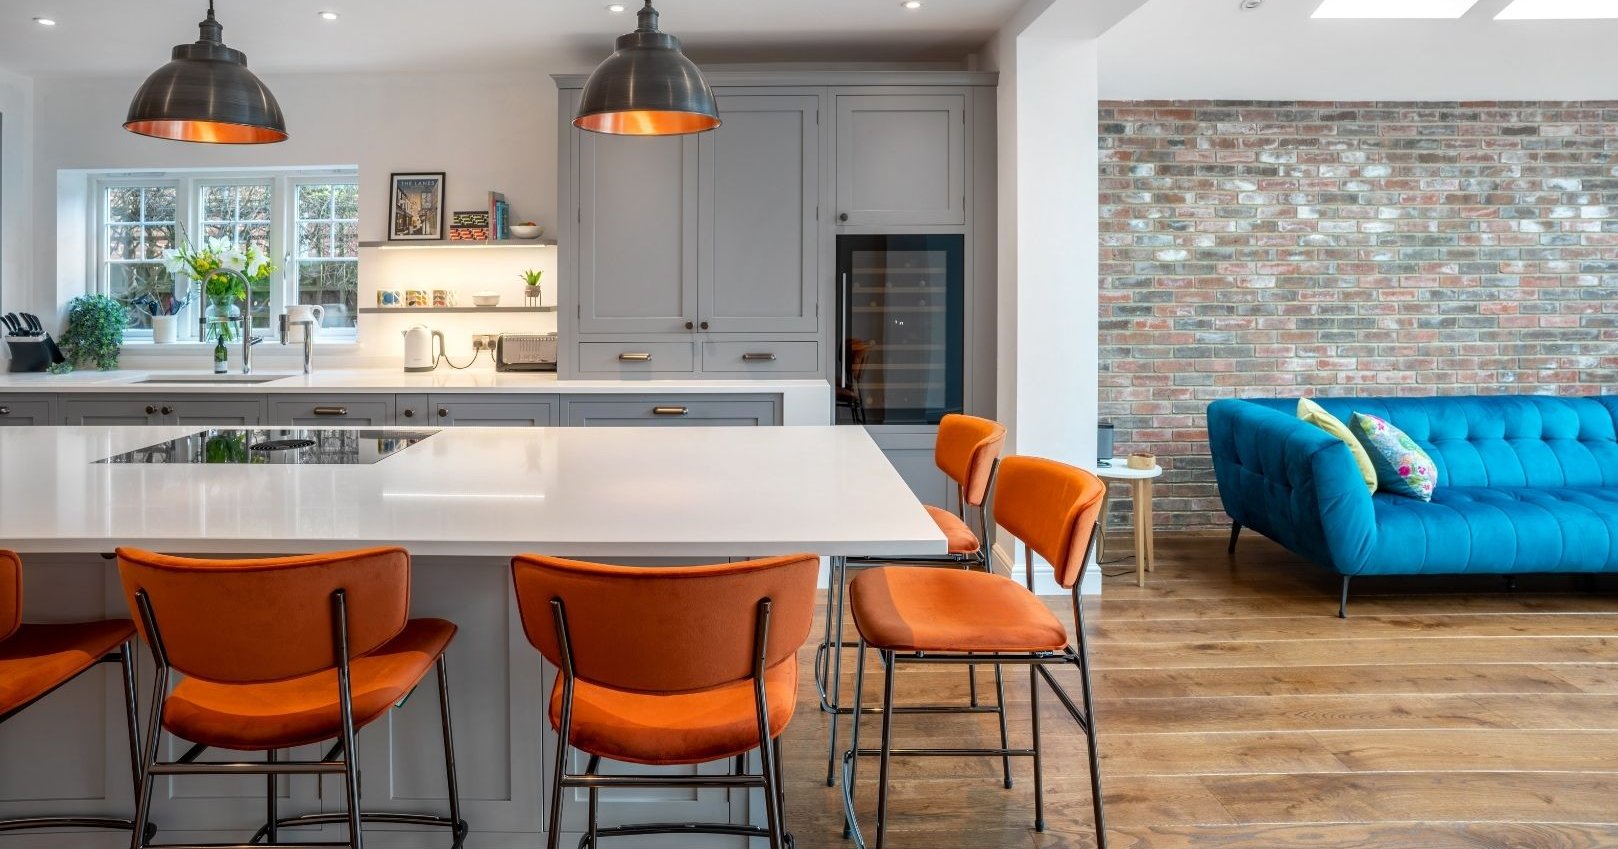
(901, 159)
(104, 410)
(214, 412)
(671, 410)
(758, 252)
(27, 410)
(494, 411)
(163, 410)
(637, 233)
(331, 410)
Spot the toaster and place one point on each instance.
(525, 352)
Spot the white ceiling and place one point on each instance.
(135, 36)
(1213, 49)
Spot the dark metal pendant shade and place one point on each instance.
(206, 94)
(647, 87)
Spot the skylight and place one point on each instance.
(1543, 10)
(1441, 9)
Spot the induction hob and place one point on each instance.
(277, 447)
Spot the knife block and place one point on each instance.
(33, 353)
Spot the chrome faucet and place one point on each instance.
(248, 339)
(308, 326)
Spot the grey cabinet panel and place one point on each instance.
(671, 411)
(485, 411)
(219, 412)
(758, 268)
(637, 233)
(112, 410)
(901, 159)
(372, 410)
(636, 357)
(26, 410)
(411, 410)
(910, 450)
(760, 358)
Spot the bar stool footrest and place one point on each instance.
(642, 829)
(30, 823)
(459, 827)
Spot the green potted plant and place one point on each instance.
(95, 332)
(531, 290)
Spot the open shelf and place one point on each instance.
(459, 245)
(414, 310)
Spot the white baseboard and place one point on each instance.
(1010, 563)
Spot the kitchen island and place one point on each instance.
(463, 500)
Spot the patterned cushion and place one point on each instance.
(1402, 468)
(1316, 415)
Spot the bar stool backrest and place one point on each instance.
(966, 449)
(665, 630)
(1052, 507)
(10, 593)
(252, 621)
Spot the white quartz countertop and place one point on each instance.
(581, 492)
(384, 380)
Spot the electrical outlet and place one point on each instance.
(483, 341)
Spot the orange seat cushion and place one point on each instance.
(961, 539)
(39, 658)
(909, 608)
(683, 728)
(298, 711)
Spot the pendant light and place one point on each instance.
(647, 87)
(206, 94)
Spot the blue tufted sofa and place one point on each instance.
(1526, 484)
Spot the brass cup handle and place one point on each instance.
(331, 411)
(670, 411)
(640, 357)
(765, 357)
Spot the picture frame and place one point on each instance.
(416, 206)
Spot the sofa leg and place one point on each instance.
(1235, 531)
(1342, 604)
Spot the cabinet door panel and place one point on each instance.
(637, 233)
(760, 185)
(111, 411)
(671, 411)
(901, 159)
(23, 411)
(452, 411)
(332, 410)
(233, 412)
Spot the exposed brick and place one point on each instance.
(1281, 249)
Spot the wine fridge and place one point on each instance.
(901, 303)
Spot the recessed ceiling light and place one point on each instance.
(616, 8)
(1441, 9)
(45, 22)
(329, 16)
(1545, 10)
(1251, 4)
(911, 4)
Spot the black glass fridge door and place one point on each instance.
(901, 328)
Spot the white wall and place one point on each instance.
(494, 130)
(16, 153)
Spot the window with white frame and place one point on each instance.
(306, 222)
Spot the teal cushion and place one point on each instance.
(1402, 468)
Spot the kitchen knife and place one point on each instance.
(10, 320)
(33, 323)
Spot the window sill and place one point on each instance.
(190, 347)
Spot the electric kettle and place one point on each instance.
(418, 348)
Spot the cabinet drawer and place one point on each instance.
(635, 357)
(760, 357)
(22, 411)
(500, 411)
(671, 410)
(331, 411)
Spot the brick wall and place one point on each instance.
(1285, 249)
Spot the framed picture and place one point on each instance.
(416, 204)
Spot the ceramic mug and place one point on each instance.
(303, 312)
(389, 298)
(416, 298)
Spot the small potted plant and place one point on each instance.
(531, 290)
(95, 332)
(164, 312)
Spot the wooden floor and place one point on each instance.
(1236, 710)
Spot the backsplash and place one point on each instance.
(1287, 248)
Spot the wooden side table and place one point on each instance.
(1140, 487)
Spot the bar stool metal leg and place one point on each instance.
(851, 760)
(887, 749)
(839, 567)
(458, 826)
(1039, 779)
(1005, 739)
(272, 817)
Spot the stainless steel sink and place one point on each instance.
(215, 378)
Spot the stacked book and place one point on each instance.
(469, 226)
(499, 216)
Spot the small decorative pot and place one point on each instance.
(531, 294)
(164, 329)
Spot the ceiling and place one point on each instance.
(1213, 49)
(134, 36)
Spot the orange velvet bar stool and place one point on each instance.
(966, 451)
(669, 666)
(37, 659)
(935, 616)
(284, 652)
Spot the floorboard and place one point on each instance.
(1237, 712)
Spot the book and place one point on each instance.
(496, 201)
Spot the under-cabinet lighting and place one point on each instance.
(1440, 9)
(1558, 10)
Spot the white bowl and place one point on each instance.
(529, 231)
(486, 299)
